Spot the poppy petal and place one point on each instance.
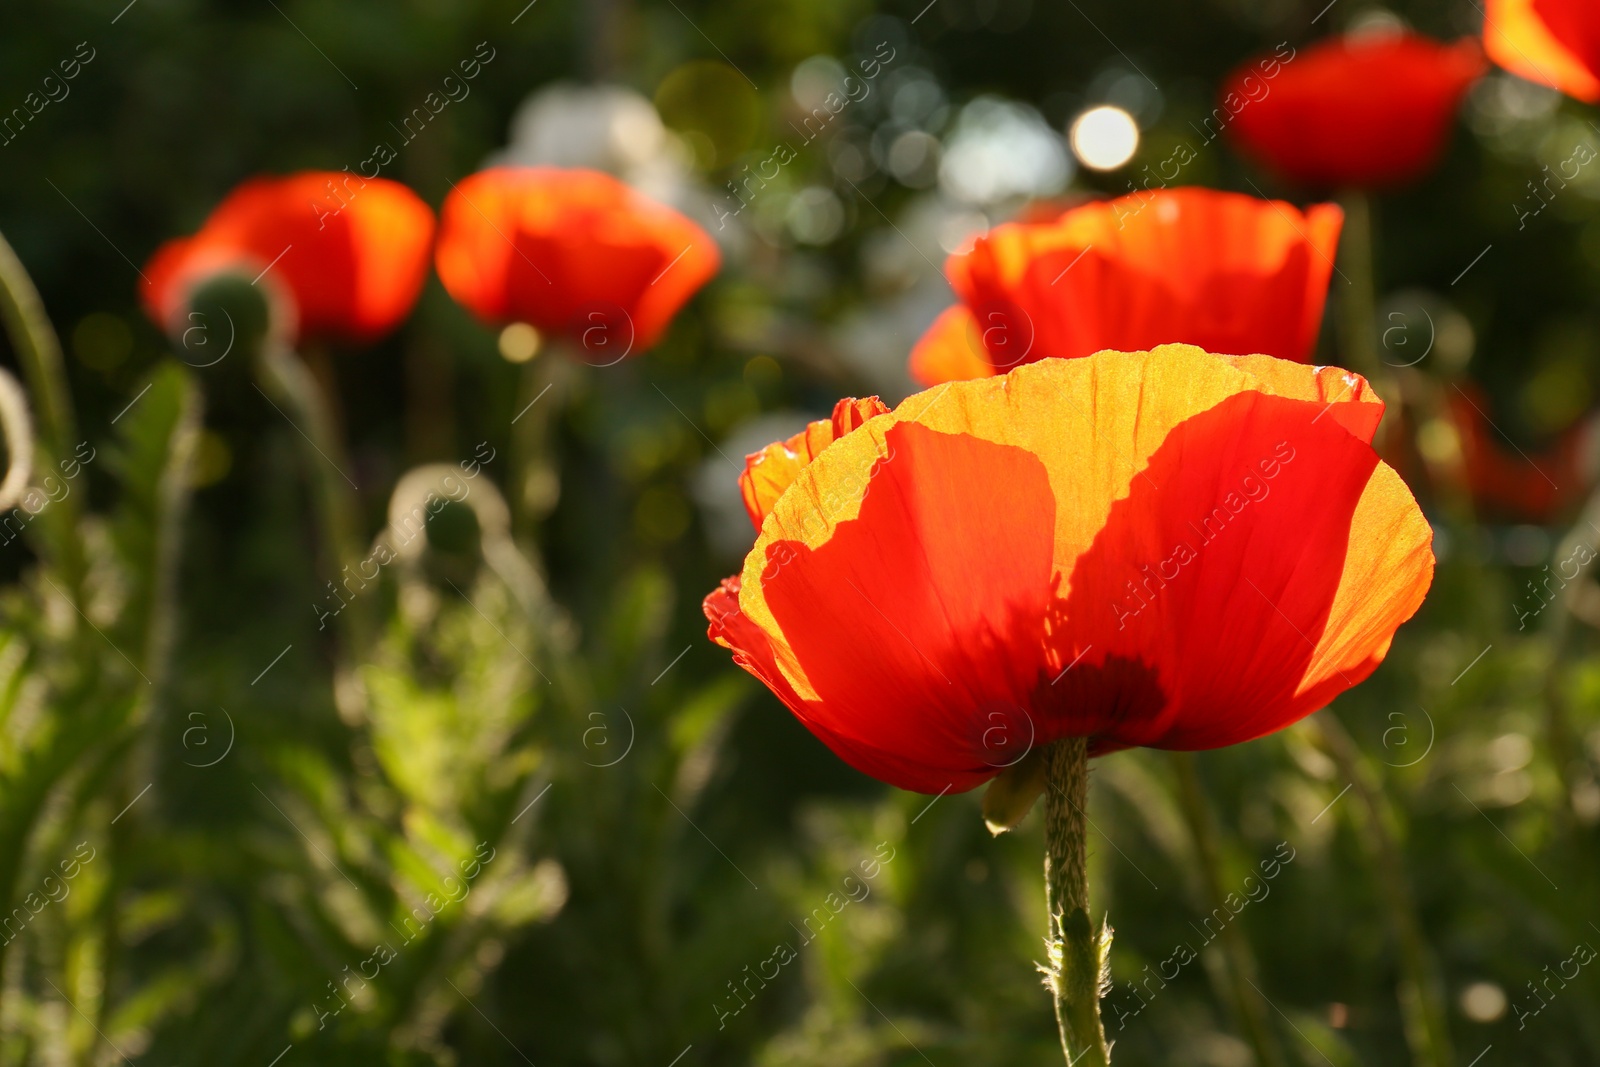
(1551, 42)
(769, 472)
(951, 350)
(895, 635)
(1348, 398)
(755, 652)
(1256, 567)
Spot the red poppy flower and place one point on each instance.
(1228, 273)
(1507, 483)
(1362, 112)
(1553, 42)
(346, 255)
(572, 252)
(1168, 548)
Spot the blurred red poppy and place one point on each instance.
(1508, 484)
(1169, 549)
(572, 252)
(1364, 112)
(345, 255)
(1229, 273)
(1552, 42)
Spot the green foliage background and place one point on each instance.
(226, 904)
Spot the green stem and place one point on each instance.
(319, 364)
(1077, 952)
(534, 483)
(174, 493)
(1421, 991)
(1358, 303)
(327, 468)
(29, 787)
(1241, 963)
(39, 352)
(1565, 747)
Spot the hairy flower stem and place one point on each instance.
(1077, 951)
(1241, 964)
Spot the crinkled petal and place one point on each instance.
(769, 472)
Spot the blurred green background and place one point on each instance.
(632, 827)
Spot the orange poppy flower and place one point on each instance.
(1353, 112)
(572, 252)
(1167, 548)
(1226, 272)
(1553, 42)
(345, 256)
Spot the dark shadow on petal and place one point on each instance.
(1208, 589)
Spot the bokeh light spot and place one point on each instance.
(1483, 1002)
(1104, 138)
(519, 342)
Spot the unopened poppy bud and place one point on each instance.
(1011, 794)
(225, 315)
